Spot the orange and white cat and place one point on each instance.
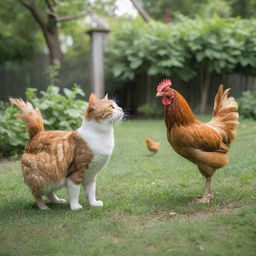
(53, 159)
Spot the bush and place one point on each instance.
(3, 105)
(150, 110)
(60, 112)
(184, 48)
(247, 104)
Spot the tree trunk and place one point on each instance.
(53, 43)
(49, 28)
(51, 36)
(141, 10)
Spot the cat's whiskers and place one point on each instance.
(127, 115)
(117, 116)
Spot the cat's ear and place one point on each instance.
(106, 97)
(92, 99)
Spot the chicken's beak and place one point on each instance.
(159, 94)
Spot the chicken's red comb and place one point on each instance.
(163, 84)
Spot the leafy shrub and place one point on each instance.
(184, 48)
(62, 112)
(247, 104)
(149, 110)
(3, 105)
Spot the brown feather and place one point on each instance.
(225, 116)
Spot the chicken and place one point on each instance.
(152, 145)
(204, 144)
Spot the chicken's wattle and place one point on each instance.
(166, 100)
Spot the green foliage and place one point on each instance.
(221, 44)
(206, 8)
(138, 47)
(52, 72)
(59, 111)
(244, 9)
(149, 110)
(12, 132)
(18, 37)
(21, 37)
(247, 104)
(3, 105)
(184, 48)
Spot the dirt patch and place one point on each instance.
(164, 215)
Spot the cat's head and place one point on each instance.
(103, 110)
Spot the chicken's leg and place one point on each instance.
(207, 197)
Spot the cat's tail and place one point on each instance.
(30, 116)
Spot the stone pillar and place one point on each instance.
(98, 41)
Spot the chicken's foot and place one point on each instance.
(204, 199)
(207, 197)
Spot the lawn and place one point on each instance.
(139, 193)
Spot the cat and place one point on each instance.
(53, 159)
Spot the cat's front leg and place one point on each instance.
(90, 188)
(54, 199)
(73, 193)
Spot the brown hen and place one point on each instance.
(204, 144)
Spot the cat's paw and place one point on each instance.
(60, 201)
(44, 207)
(96, 203)
(76, 207)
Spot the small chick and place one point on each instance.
(152, 145)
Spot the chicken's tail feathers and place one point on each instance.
(30, 116)
(225, 115)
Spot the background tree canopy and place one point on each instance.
(21, 37)
(18, 33)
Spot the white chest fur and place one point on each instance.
(100, 139)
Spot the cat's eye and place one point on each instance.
(111, 106)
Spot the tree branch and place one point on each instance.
(52, 12)
(36, 14)
(50, 7)
(27, 5)
(71, 17)
(145, 16)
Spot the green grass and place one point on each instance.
(139, 191)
